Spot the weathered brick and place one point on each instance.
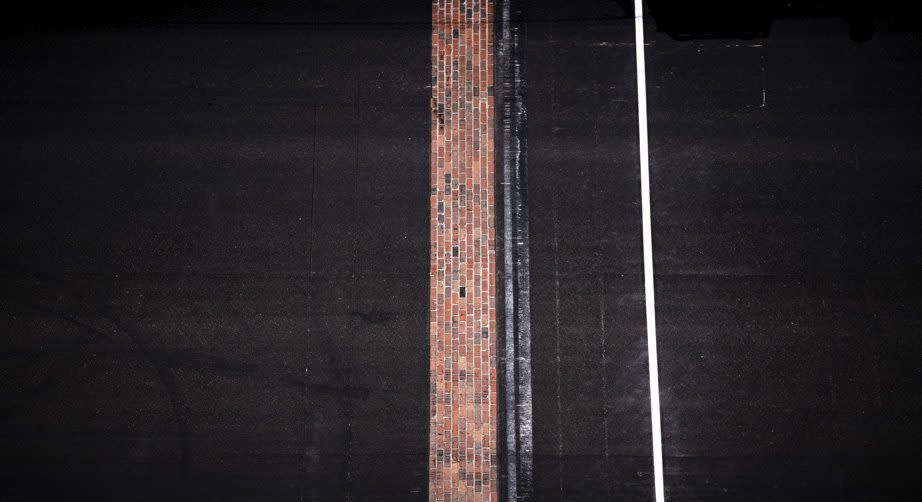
(462, 462)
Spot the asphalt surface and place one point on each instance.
(215, 255)
(785, 182)
(591, 389)
(215, 260)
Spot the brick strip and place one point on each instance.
(463, 400)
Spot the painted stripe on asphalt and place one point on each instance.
(648, 252)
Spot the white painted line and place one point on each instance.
(648, 251)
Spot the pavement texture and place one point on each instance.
(216, 243)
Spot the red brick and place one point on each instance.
(463, 409)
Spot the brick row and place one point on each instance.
(463, 400)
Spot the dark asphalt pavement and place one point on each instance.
(215, 258)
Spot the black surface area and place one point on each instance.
(589, 356)
(214, 258)
(786, 180)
